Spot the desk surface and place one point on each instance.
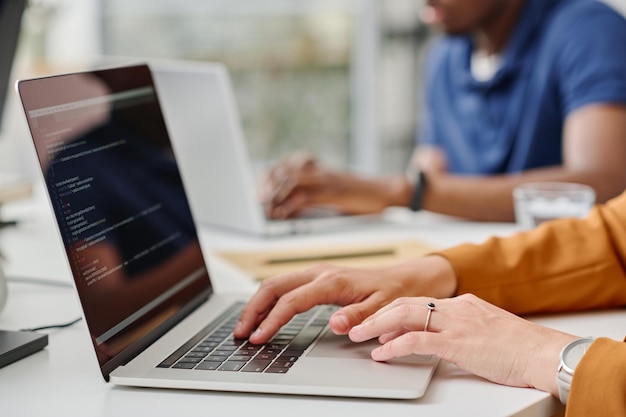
(64, 379)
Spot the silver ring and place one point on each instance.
(431, 308)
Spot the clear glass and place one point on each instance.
(538, 202)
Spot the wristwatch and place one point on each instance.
(571, 355)
(418, 179)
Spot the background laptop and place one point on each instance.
(203, 119)
(132, 246)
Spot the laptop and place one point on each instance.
(132, 245)
(203, 120)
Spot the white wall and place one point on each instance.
(618, 4)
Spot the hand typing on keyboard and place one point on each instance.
(362, 292)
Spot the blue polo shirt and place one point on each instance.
(563, 55)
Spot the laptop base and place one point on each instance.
(15, 345)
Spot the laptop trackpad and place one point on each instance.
(334, 346)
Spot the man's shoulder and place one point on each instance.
(578, 15)
(575, 26)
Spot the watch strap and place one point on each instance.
(564, 382)
(419, 190)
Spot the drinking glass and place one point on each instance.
(538, 202)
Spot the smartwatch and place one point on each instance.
(570, 356)
(419, 189)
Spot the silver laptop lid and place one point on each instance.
(203, 120)
(118, 198)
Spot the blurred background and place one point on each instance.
(337, 77)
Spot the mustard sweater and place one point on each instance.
(564, 265)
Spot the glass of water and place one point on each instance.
(538, 202)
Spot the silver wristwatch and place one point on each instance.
(571, 355)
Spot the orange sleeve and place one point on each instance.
(563, 265)
(599, 383)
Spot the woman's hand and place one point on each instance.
(471, 333)
(361, 291)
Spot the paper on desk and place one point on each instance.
(264, 264)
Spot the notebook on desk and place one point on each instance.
(203, 119)
(132, 246)
(262, 264)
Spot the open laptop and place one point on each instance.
(203, 119)
(131, 243)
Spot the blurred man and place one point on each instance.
(515, 91)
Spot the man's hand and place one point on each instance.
(298, 183)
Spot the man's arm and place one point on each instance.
(594, 153)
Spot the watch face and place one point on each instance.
(574, 353)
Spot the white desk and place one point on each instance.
(64, 380)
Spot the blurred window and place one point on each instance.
(291, 62)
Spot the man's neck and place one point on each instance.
(492, 36)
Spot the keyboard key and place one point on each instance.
(234, 342)
(231, 366)
(242, 358)
(215, 358)
(286, 358)
(271, 351)
(222, 351)
(305, 337)
(292, 352)
(194, 354)
(256, 365)
(266, 356)
(283, 364)
(246, 352)
(189, 360)
(202, 349)
(215, 339)
(274, 345)
(184, 365)
(250, 347)
(208, 366)
(208, 344)
(276, 370)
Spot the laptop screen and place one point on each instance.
(119, 202)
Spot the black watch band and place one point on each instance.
(418, 192)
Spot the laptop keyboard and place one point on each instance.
(215, 349)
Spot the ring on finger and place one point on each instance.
(431, 308)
